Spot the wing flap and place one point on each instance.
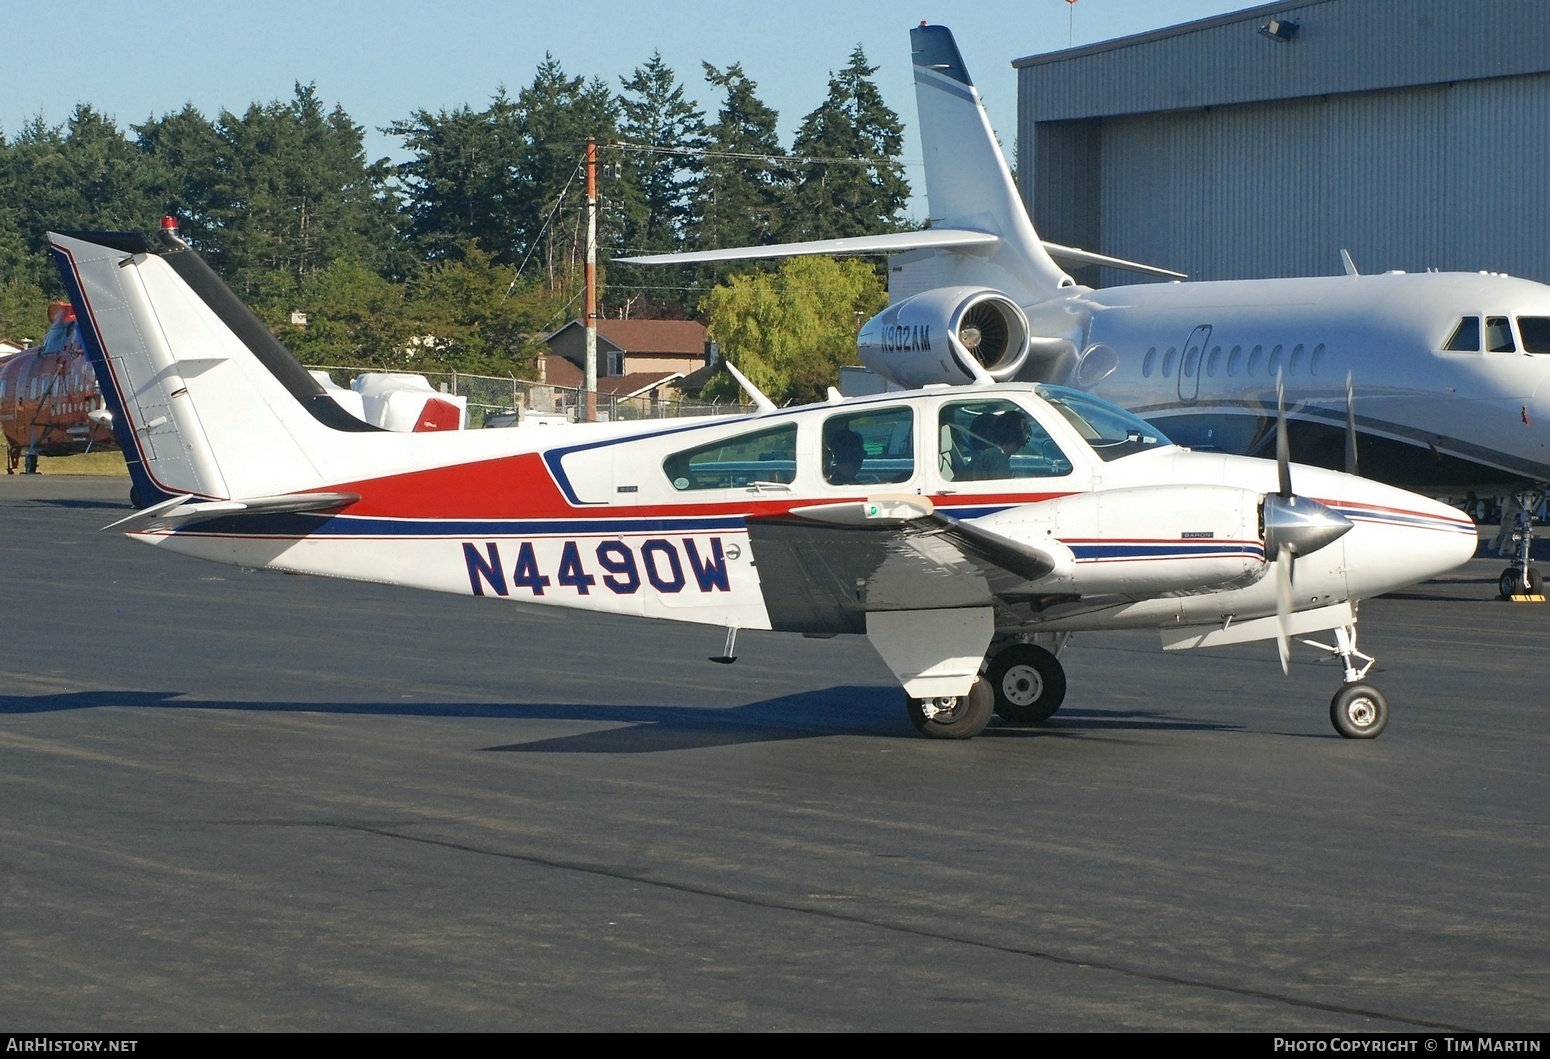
(825, 566)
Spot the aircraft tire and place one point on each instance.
(965, 719)
(1512, 582)
(1029, 683)
(1359, 711)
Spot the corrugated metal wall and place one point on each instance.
(1452, 174)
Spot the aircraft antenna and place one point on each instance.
(755, 394)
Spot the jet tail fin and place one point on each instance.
(968, 183)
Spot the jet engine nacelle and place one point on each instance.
(907, 343)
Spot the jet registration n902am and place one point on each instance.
(967, 532)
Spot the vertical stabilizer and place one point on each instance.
(205, 402)
(968, 183)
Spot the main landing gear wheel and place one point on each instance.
(1359, 711)
(1512, 582)
(1029, 683)
(953, 716)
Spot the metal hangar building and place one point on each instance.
(1262, 143)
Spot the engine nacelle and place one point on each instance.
(1144, 540)
(907, 343)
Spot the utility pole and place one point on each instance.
(591, 273)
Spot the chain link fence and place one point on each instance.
(500, 398)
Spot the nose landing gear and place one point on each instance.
(1521, 582)
(1358, 710)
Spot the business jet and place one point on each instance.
(967, 532)
(1450, 371)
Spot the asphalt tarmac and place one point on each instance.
(253, 801)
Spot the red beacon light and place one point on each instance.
(169, 231)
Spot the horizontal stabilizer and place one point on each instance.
(184, 510)
(930, 239)
(1075, 256)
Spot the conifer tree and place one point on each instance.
(664, 137)
(460, 186)
(743, 192)
(840, 199)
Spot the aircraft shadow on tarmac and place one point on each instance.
(648, 729)
(80, 504)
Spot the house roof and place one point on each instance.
(648, 336)
(561, 372)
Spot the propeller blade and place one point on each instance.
(1284, 608)
(1350, 426)
(1283, 447)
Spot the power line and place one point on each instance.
(800, 159)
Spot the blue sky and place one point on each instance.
(381, 60)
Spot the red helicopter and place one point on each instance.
(49, 401)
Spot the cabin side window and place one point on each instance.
(1168, 359)
(869, 448)
(1149, 363)
(1535, 331)
(1466, 336)
(1235, 360)
(993, 440)
(761, 456)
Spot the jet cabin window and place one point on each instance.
(1112, 432)
(984, 441)
(869, 448)
(1536, 333)
(764, 456)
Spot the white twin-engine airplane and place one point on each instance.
(965, 531)
(1451, 370)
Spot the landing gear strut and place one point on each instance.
(1520, 578)
(1358, 710)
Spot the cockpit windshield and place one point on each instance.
(1111, 431)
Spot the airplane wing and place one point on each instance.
(184, 510)
(830, 564)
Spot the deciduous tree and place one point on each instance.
(790, 331)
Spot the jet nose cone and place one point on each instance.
(1300, 525)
